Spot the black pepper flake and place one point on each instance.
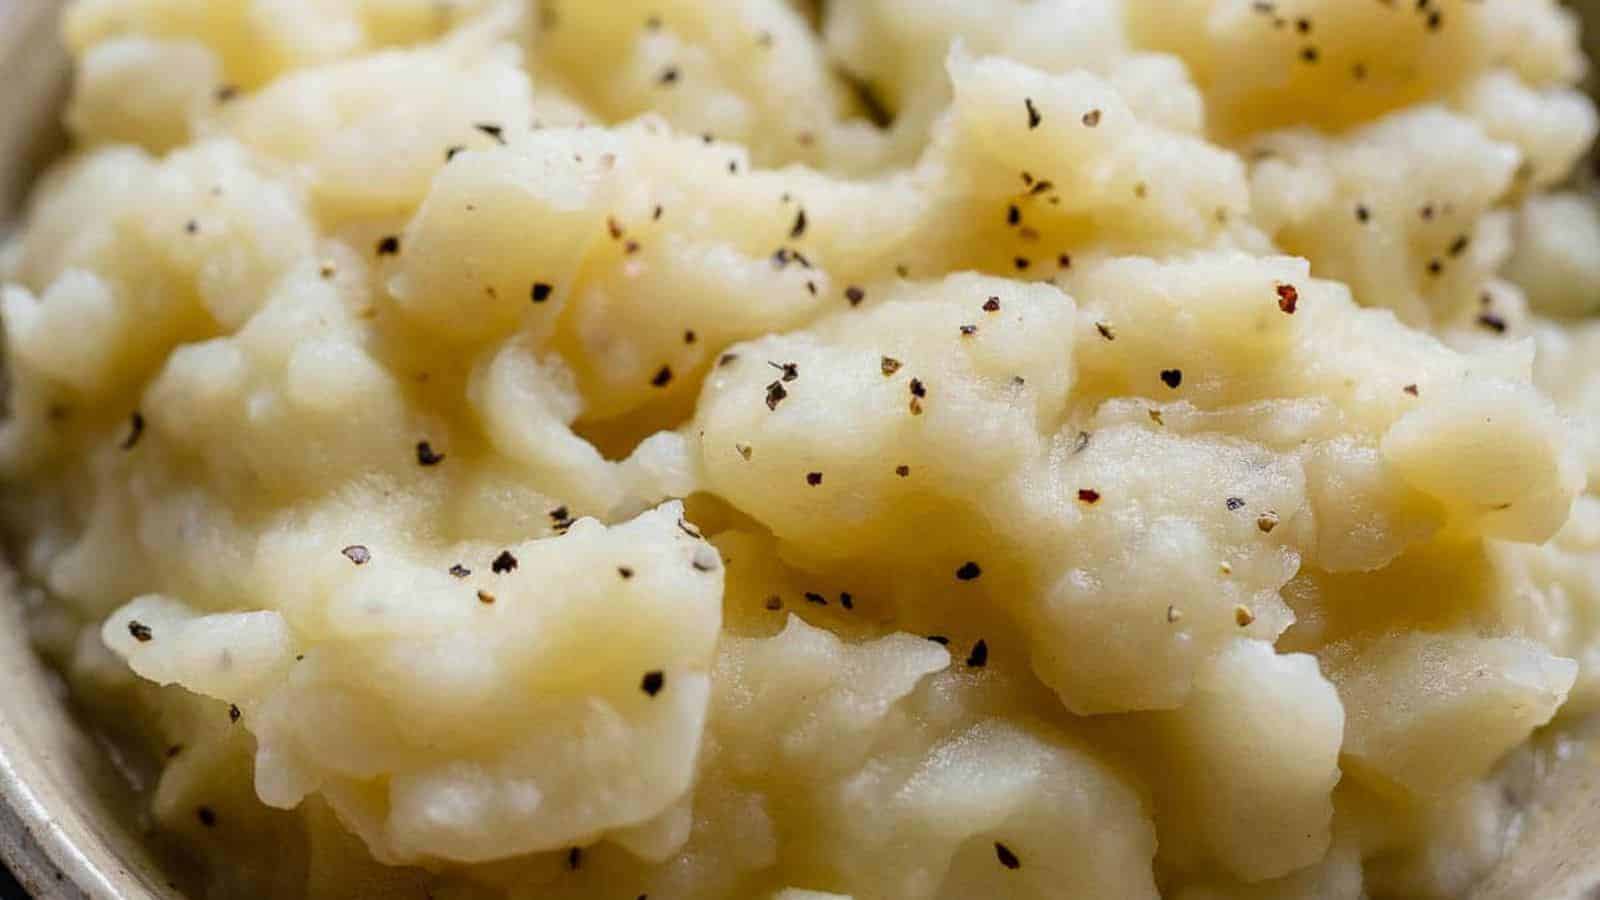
(1302, 25)
(492, 130)
(1310, 54)
(1013, 215)
(939, 639)
(1459, 245)
(233, 713)
(745, 450)
(689, 336)
(918, 389)
(1033, 114)
(846, 600)
(991, 305)
(1064, 261)
(1091, 118)
(560, 514)
(816, 598)
(140, 631)
(1105, 331)
(775, 394)
(1435, 19)
(1411, 389)
(1041, 187)
(541, 291)
(814, 478)
(662, 378)
(504, 563)
(799, 227)
(1141, 190)
(1426, 212)
(653, 682)
(979, 657)
(1172, 377)
(1022, 263)
(727, 359)
(1089, 496)
(460, 571)
(226, 93)
(1493, 322)
(1235, 503)
(206, 815)
(1288, 297)
(691, 530)
(669, 76)
(969, 330)
(969, 571)
(389, 246)
(451, 151)
(655, 215)
(1363, 215)
(889, 365)
(1006, 857)
(613, 228)
(357, 554)
(902, 471)
(855, 295)
(135, 431)
(1435, 267)
(191, 227)
(791, 371)
(574, 858)
(774, 603)
(174, 750)
(426, 456)
(486, 598)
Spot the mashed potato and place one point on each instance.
(896, 450)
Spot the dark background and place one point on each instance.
(9, 889)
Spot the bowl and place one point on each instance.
(71, 826)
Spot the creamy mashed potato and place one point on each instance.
(883, 449)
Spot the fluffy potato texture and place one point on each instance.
(879, 450)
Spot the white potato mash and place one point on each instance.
(766, 450)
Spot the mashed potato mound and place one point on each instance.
(874, 450)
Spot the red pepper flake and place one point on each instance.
(426, 456)
(614, 228)
(486, 598)
(1033, 114)
(135, 431)
(889, 365)
(504, 563)
(389, 246)
(969, 571)
(1172, 377)
(492, 130)
(1243, 616)
(1089, 496)
(662, 378)
(1091, 118)
(991, 305)
(541, 291)
(775, 394)
(855, 295)
(1288, 297)
(979, 657)
(140, 631)
(814, 478)
(1267, 521)
(1006, 857)
(357, 554)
